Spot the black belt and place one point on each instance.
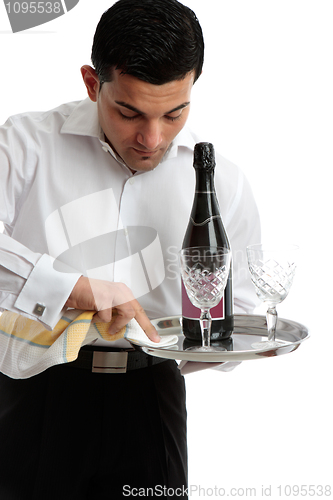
(102, 360)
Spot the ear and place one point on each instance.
(91, 81)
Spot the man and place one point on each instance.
(96, 200)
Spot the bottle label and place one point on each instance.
(189, 311)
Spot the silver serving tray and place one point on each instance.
(247, 330)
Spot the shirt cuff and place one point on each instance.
(46, 291)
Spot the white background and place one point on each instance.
(265, 101)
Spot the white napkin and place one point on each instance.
(136, 335)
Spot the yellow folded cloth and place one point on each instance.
(27, 348)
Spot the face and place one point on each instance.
(139, 119)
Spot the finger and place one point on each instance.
(118, 324)
(137, 312)
(143, 320)
(103, 316)
(123, 315)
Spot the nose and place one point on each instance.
(150, 135)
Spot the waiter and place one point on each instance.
(95, 200)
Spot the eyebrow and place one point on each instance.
(135, 110)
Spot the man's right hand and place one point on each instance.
(101, 296)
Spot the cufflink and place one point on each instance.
(39, 309)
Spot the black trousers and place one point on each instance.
(69, 434)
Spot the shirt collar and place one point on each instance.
(183, 139)
(84, 121)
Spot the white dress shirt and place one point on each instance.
(67, 200)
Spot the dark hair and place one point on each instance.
(157, 41)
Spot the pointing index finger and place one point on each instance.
(143, 320)
(140, 316)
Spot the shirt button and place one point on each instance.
(132, 181)
(105, 148)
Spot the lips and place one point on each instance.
(145, 153)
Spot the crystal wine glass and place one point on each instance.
(205, 272)
(272, 272)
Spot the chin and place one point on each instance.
(144, 165)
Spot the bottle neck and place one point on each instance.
(204, 182)
(205, 226)
(205, 207)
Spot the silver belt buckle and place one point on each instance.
(109, 362)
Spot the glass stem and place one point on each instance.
(271, 317)
(205, 324)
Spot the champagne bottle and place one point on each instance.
(205, 228)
